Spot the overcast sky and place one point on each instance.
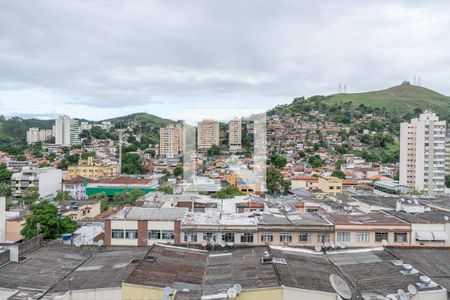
(194, 59)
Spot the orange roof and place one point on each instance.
(298, 204)
(305, 178)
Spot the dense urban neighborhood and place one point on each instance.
(341, 188)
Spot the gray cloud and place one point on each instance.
(114, 54)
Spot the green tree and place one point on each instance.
(45, 220)
(104, 200)
(315, 161)
(87, 154)
(166, 190)
(5, 174)
(30, 196)
(178, 171)
(213, 150)
(276, 184)
(62, 196)
(278, 161)
(131, 164)
(447, 181)
(227, 193)
(338, 174)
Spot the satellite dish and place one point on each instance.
(222, 243)
(392, 297)
(100, 243)
(332, 245)
(446, 218)
(340, 286)
(402, 295)
(412, 289)
(212, 241)
(204, 243)
(238, 288)
(384, 242)
(416, 202)
(231, 293)
(342, 245)
(326, 245)
(318, 248)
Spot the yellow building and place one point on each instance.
(92, 169)
(236, 181)
(208, 134)
(171, 140)
(330, 185)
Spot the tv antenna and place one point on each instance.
(340, 286)
(222, 243)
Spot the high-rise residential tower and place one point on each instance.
(171, 140)
(208, 134)
(67, 131)
(423, 153)
(235, 134)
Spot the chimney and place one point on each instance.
(2, 219)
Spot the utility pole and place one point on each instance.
(120, 152)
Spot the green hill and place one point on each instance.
(143, 118)
(402, 99)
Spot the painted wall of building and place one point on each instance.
(300, 294)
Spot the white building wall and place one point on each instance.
(49, 183)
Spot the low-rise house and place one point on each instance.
(79, 210)
(76, 187)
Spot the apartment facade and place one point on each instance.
(423, 154)
(208, 134)
(92, 169)
(235, 134)
(67, 131)
(47, 182)
(34, 135)
(137, 226)
(171, 140)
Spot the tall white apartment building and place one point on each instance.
(235, 134)
(171, 140)
(423, 153)
(208, 134)
(67, 131)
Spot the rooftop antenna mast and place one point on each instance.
(345, 88)
(120, 151)
(340, 88)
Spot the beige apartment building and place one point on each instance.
(171, 140)
(208, 134)
(235, 134)
(423, 153)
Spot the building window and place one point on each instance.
(285, 238)
(267, 238)
(131, 234)
(117, 234)
(207, 236)
(247, 238)
(400, 237)
(154, 234)
(167, 234)
(304, 237)
(323, 238)
(228, 237)
(343, 236)
(380, 236)
(362, 237)
(190, 237)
